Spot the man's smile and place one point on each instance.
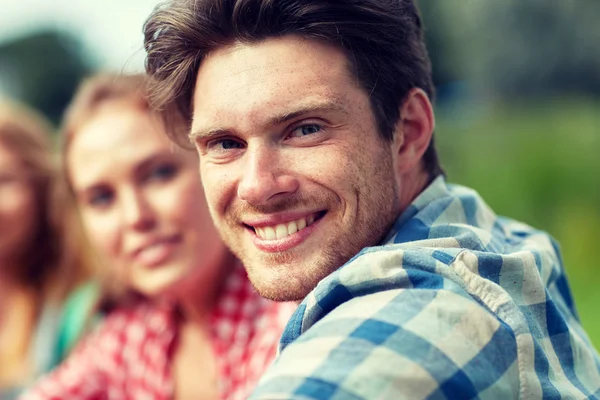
(281, 232)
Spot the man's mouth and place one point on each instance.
(288, 228)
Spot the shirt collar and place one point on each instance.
(435, 190)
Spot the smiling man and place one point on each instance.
(297, 180)
(313, 122)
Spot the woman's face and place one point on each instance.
(142, 203)
(17, 207)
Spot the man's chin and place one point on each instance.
(280, 294)
(280, 297)
(281, 286)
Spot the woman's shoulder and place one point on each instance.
(140, 317)
(127, 341)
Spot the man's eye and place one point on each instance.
(305, 130)
(224, 144)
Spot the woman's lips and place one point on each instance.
(157, 252)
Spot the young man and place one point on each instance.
(313, 122)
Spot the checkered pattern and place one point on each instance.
(456, 304)
(128, 356)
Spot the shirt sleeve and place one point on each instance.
(399, 344)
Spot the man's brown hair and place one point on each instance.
(382, 39)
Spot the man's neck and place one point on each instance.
(413, 183)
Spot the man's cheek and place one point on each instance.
(213, 190)
(215, 211)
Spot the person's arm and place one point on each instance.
(78, 377)
(399, 344)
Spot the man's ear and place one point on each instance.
(413, 130)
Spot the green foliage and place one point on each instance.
(509, 47)
(539, 163)
(43, 69)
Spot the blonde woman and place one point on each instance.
(182, 321)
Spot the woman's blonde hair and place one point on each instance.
(52, 265)
(92, 94)
(96, 91)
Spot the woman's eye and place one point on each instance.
(305, 130)
(100, 199)
(163, 172)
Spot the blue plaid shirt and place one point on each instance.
(457, 304)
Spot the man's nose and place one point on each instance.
(264, 176)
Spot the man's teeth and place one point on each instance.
(282, 230)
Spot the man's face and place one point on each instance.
(296, 175)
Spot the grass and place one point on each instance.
(539, 163)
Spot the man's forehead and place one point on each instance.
(270, 79)
(271, 64)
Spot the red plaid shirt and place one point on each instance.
(128, 356)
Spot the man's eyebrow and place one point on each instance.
(326, 106)
(207, 133)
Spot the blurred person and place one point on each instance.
(313, 121)
(180, 318)
(36, 273)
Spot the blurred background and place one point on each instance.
(518, 107)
